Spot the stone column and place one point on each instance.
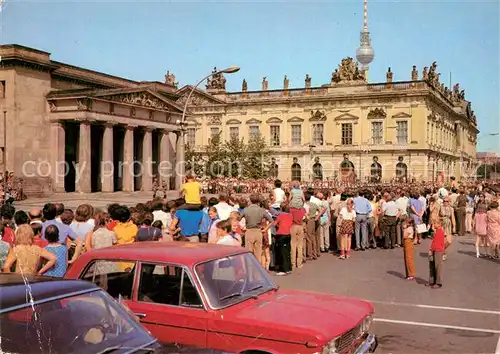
(180, 160)
(107, 161)
(128, 159)
(147, 160)
(165, 165)
(59, 150)
(83, 174)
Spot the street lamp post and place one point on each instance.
(180, 147)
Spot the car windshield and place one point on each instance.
(88, 323)
(233, 279)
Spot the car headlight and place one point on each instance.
(366, 324)
(331, 347)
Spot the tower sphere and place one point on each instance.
(365, 54)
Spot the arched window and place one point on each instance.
(273, 170)
(296, 172)
(376, 172)
(347, 172)
(317, 171)
(401, 171)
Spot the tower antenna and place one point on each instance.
(365, 52)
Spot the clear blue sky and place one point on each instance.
(141, 40)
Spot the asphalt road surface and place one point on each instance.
(461, 317)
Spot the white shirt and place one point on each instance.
(443, 192)
(346, 215)
(279, 197)
(402, 204)
(163, 217)
(390, 208)
(228, 240)
(223, 210)
(316, 201)
(423, 200)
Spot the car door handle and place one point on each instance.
(140, 315)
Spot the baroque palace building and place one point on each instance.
(416, 129)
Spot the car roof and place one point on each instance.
(184, 253)
(17, 290)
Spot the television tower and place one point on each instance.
(365, 53)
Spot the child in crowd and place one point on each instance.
(224, 237)
(296, 199)
(436, 253)
(212, 227)
(408, 247)
(191, 192)
(57, 249)
(283, 223)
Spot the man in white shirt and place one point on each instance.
(402, 204)
(279, 195)
(223, 208)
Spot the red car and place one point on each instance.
(219, 297)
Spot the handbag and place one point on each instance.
(421, 228)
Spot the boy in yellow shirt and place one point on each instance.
(191, 192)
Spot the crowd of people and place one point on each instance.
(284, 227)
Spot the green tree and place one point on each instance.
(235, 152)
(257, 158)
(215, 157)
(194, 160)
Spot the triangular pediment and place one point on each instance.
(274, 120)
(253, 121)
(139, 97)
(401, 115)
(346, 116)
(198, 98)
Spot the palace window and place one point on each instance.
(275, 135)
(254, 131)
(377, 133)
(2, 89)
(402, 132)
(296, 134)
(318, 134)
(234, 133)
(191, 136)
(214, 132)
(346, 133)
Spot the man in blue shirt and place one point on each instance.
(362, 207)
(65, 232)
(187, 223)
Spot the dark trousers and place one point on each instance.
(312, 245)
(390, 231)
(461, 213)
(283, 261)
(435, 264)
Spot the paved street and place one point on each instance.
(461, 317)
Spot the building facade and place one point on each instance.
(72, 129)
(417, 129)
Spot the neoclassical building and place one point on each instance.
(73, 129)
(418, 129)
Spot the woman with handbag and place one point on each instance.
(347, 216)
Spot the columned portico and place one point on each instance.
(179, 160)
(58, 148)
(107, 159)
(165, 166)
(147, 160)
(128, 159)
(83, 173)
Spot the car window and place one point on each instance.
(168, 285)
(87, 323)
(116, 277)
